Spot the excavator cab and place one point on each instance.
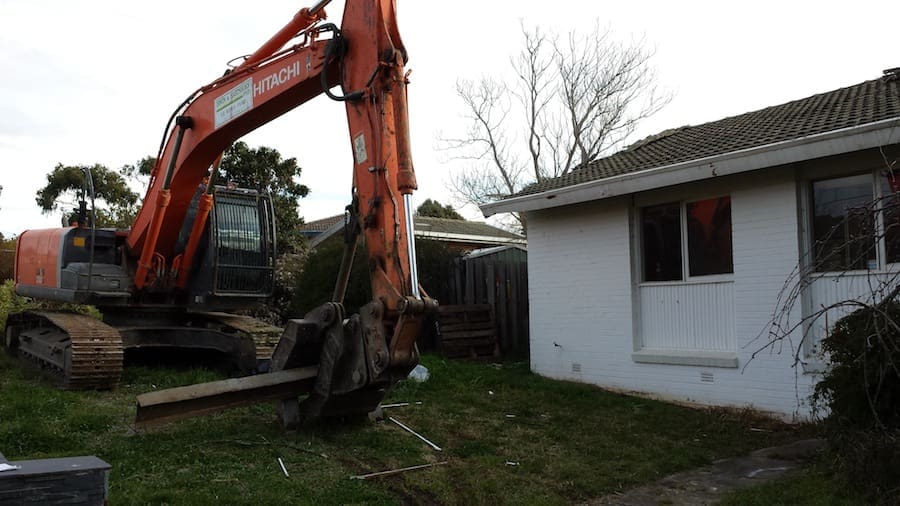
(238, 265)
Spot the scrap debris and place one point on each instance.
(283, 469)
(396, 471)
(400, 404)
(404, 427)
(753, 474)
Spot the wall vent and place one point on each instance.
(706, 377)
(576, 367)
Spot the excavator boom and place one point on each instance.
(358, 357)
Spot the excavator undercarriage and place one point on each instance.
(77, 351)
(80, 352)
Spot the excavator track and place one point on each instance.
(265, 336)
(80, 352)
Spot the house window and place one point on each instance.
(709, 236)
(843, 232)
(661, 231)
(890, 203)
(852, 217)
(706, 224)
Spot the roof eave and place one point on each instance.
(427, 234)
(835, 142)
(469, 238)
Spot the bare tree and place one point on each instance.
(573, 99)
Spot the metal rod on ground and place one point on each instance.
(395, 471)
(400, 404)
(429, 443)
(283, 469)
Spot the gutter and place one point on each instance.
(476, 239)
(424, 234)
(834, 142)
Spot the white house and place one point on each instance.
(656, 270)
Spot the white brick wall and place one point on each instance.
(580, 291)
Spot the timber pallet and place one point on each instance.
(467, 331)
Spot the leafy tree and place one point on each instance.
(572, 100)
(263, 168)
(67, 184)
(7, 257)
(260, 168)
(434, 209)
(140, 171)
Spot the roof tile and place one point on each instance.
(867, 102)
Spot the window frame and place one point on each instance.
(808, 203)
(806, 214)
(686, 277)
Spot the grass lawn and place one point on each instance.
(809, 486)
(509, 437)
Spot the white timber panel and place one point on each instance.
(692, 316)
(826, 290)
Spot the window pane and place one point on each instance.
(661, 242)
(709, 237)
(842, 224)
(890, 203)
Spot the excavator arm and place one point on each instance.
(270, 83)
(358, 357)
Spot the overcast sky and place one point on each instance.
(95, 81)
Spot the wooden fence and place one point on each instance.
(497, 277)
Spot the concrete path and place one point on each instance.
(707, 485)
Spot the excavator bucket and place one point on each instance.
(336, 363)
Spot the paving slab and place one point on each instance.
(70, 480)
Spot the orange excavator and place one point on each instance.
(198, 251)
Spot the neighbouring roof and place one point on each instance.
(475, 232)
(865, 103)
(317, 226)
(477, 253)
(428, 226)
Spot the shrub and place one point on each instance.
(10, 302)
(7, 257)
(316, 284)
(277, 309)
(861, 391)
